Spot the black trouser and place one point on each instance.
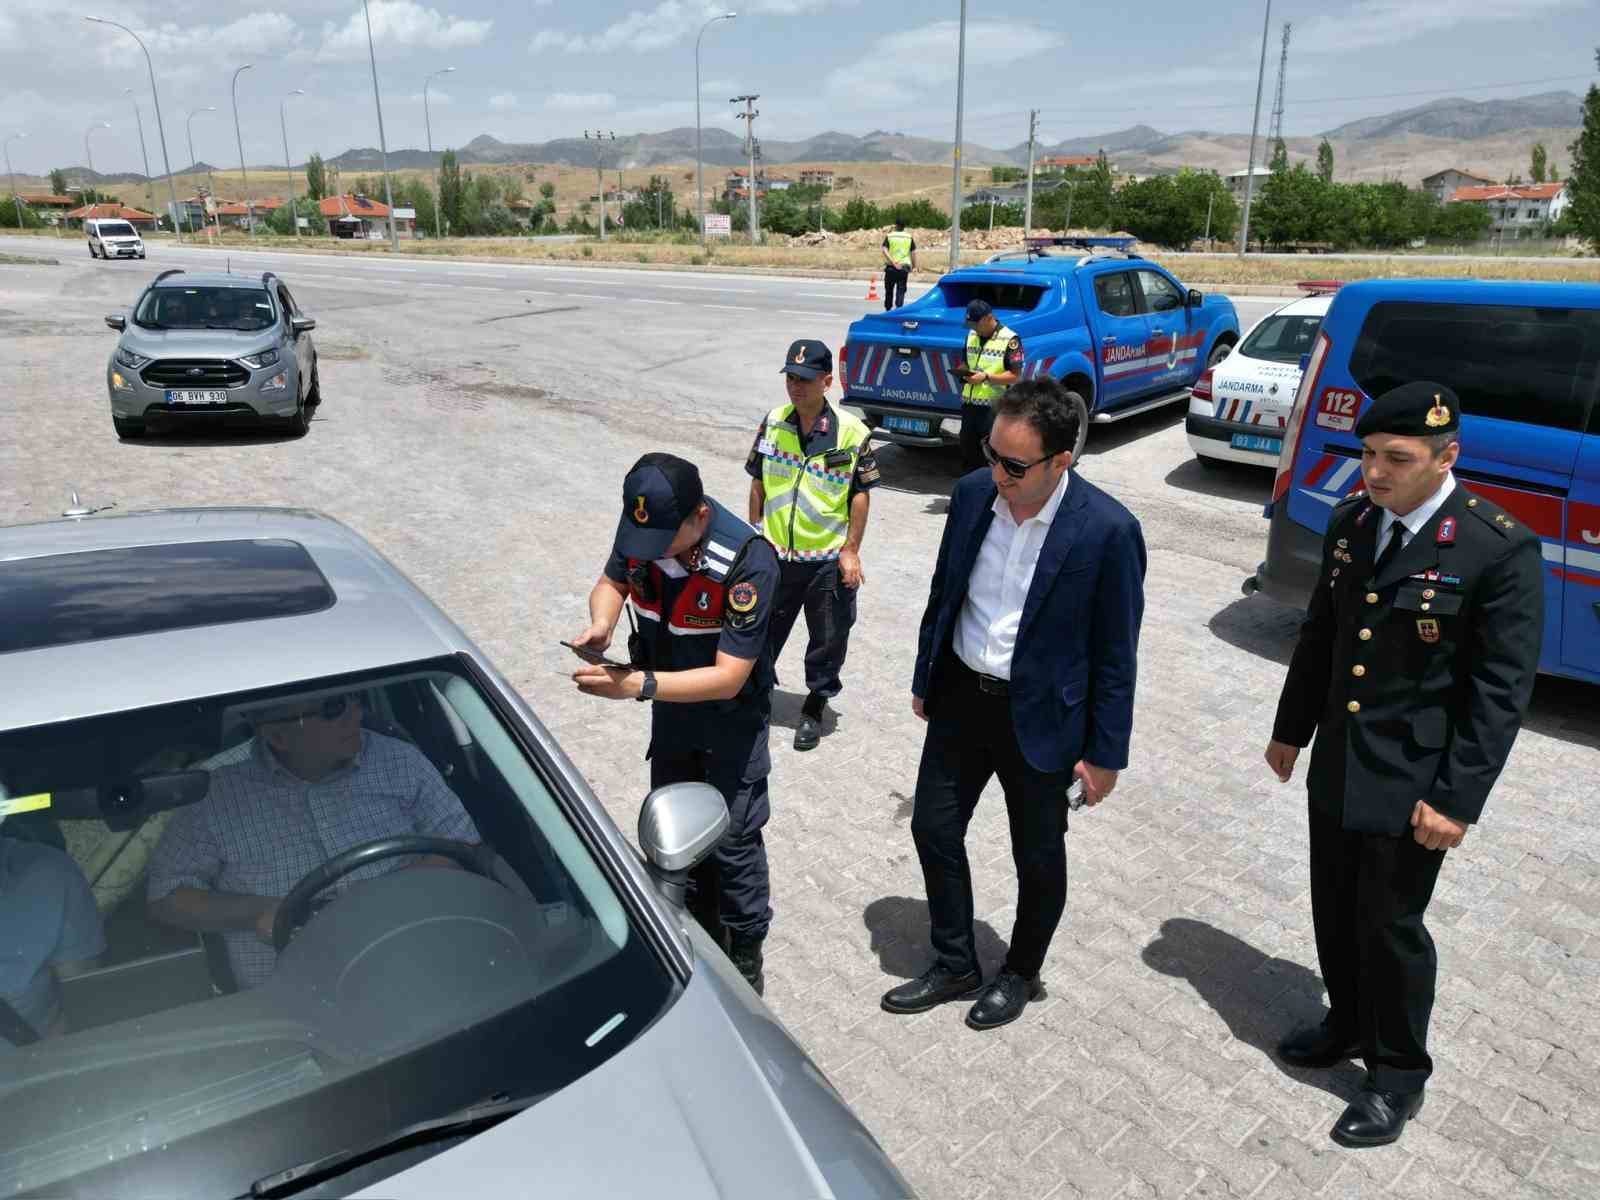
(976, 421)
(894, 286)
(730, 889)
(1368, 896)
(830, 609)
(970, 739)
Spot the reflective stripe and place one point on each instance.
(805, 507)
(899, 248)
(830, 525)
(991, 360)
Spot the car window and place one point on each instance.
(1159, 293)
(114, 229)
(413, 987)
(1114, 293)
(1010, 297)
(1282, 338)
(239, 308)
(1533, 365)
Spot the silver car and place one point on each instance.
(213, 347)
(526, 1010)
(112, 238)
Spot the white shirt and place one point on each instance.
(1412, 523)
(986, 632)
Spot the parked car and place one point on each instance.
(113, 239)
(1238, 409)
(1523, 360)
(545, 1018)
(1121, 332)
(209, 346)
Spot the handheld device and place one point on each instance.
(1075, 798)
(596, 657)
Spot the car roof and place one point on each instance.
(378, 619)
(1518, 292)
(1056, 265)
(1304, 306)
(188, 279)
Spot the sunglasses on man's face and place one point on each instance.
(1013, 467)
(330, 709)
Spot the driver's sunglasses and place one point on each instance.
(330, 709)
(1013, 467)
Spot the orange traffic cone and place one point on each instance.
(872, 289)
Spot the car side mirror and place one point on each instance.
(302, 325)
(1305, 361)
(116, 321)
(1196, 299)
(679, 825)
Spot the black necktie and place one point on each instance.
(1390, 549)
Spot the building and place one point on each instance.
(1236, 182)
(816, 177)
(1011, 193)
(1066, 162)
(351, 216)
(114, 212)
(737, 185)
(236, 213)
(1518, 209)
(48, 202)
(1444, 184)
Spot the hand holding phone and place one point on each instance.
(596, 658)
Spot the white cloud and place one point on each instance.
(580, 101)
(503, 100)
(670, 22)
(1387, 22)
(399, 24)
(906, 64)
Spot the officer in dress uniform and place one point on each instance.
(811, 470)
(703, 584)
(991, 363)
(1414, 669)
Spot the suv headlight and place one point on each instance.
(131, 360)
(262, 358)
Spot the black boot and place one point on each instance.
(745, 951)
(809, 731)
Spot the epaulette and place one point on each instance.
(1351, 499)
(1491, 515)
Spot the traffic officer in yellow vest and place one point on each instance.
(991, 363)
(899, 260)
(811, 469)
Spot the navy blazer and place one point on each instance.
(1073, 669)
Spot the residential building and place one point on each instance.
(355, 216)
(48, 202)
(1518, 209)
(1011, 193)
(1236, 182)
(737, 185)
(816, 177)
(1444, 184)
(1066, 162)
(101, 212)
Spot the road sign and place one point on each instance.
(719, 225)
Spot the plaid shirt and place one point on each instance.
(261, 829)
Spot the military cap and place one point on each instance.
(977, 310)
(1419, 409)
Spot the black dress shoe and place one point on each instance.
(745, 953)
(933, 987)
(808, 733)
(1376, 1118)
(1003, 1000)
(1316, 1047)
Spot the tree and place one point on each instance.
(1171, 209)
(1294, 207)
(548, 191)
(1461, 221)
(304, 206)
(1539, 162)
(316, 178)
(1005, 174)
(655, 197)
(8, 216)
(918, 214)
(58, 182)
(1280, 157)
(860, 213)
(450, 189)
(976, 216)
(1583, 175)
(1325, 161)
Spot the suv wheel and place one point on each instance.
(314, 394)
(128, 428)
(92, 254)
(300, 424)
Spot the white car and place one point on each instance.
(110, 238)
(1239, 408)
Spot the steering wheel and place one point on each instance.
(294, 909)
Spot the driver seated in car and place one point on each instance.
(316, 783)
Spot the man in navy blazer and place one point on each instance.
(1025, 669)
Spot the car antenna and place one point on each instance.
(77, 508)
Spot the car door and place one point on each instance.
(1580, 625)
(300, 344)
(1124, 336)
(1172, 357)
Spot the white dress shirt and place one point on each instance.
(986, 632)
(1412, 523)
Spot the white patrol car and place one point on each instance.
(1239, 408)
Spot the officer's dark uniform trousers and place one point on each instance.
(1388, 661)
(817, 589)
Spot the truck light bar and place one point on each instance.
(1320, 287)
(1080, 243)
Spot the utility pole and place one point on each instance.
(149, 183)
(383, 141)
(955, 171)
(1276, 135)
(748, 116)
(288, 166)
(438, 229)
(1027, 207)
(1255, 126)
(249, 208)
(699, 174)
(1210, 200)
(599, 172)
(16, 198)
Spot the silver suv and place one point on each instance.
(212, 346)
(110, 238)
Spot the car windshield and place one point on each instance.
(1282, 338)
(175, 1013)
(116, 229)
(239, 308)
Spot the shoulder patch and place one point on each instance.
(742, 596)
(1014, 344)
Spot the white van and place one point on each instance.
(113, 239)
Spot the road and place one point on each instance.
(478, 421)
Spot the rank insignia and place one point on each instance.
(1447, 532)
(1437, 415)
(1361, 517)
(1428, 630)
(1503, 521)
(800, 355)
(641, 514)
(742, 597)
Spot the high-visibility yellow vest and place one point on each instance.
(900, 248)
(806, 515)
(988, 356)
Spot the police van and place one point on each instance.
(1524, 359)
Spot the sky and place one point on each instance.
(531, 70)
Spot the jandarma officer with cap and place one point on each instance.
(1413, 669)
(811, 473)
(703, 584)
(991, 362)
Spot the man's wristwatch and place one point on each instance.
(647, 689)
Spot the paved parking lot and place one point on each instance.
(476, 429)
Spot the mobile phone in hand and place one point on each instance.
(1075, 796)
(596, 658)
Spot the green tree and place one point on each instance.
(918, 214)
(1171, 209)
(10, 220)
(548, 191)
(1294, 207)
(449, 186)
(316, 178)
(278, 219)
(1280, 157)
(1006, 174)
(415, 194)
(860, 213)
(1325, 161)
(1583, 175)
(1538, 163)
(58, 182)
(1461, 221)
(655, 203)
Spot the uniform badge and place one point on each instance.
(1438, 415)
(641, 514)
(742, 597)
(800, 355)
(1014, 344)
(1428, 630)
(1447, 532)
(703, 601)
(1503, 521)
(1344, 543)
(1361, 517)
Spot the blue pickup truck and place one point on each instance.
(1121, 332)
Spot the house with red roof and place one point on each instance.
(356, 216)
(1518, 209)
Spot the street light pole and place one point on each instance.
(193, 161)
(955, 175)
(149, 184)
(383, 143)
(748, 116)
(249, 209)
(699, 181)
(15, 195)
(155, 99)
(288, 165)
(599, 173)
(1255, 125)
(89, 154)
(428, 121)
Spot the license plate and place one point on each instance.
(1251, 441)
(914, 425)
(187, 397)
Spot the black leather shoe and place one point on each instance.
(1316, 1047)
(1003, 1000)
(745, 953)
(1376, 1118)
(808, 733)
(933, 987)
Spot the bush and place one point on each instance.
(588, 251)
(9, 219)
(278, 219)
(917, 214)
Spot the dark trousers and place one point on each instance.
(970, 739)
(976, 421)
(894, 286)
(830, 610)
(730, 889)
(1368, 896)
